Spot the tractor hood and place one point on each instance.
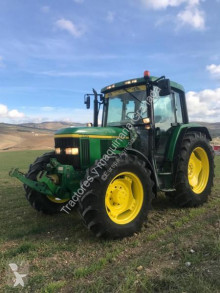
(93, 132)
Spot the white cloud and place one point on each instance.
(6, 114)
(47, 113)
(45, 9)
(162, 4)
(14, 114)
(80, 115)
(192, 16)
(1, 62)
(81, 73)
(69, 26)
(47, 109)
(204, 105)
(214, 70)
(3, 110)
(110, 16)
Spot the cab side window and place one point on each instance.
(179, 114)
(163, 112)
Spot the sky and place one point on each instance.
(54, 52)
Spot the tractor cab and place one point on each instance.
(156, 108)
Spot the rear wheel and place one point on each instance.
(39, 201)
(195, 171)
(118, 203)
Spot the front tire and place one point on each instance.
(195, 171)
(119, 198)
(37, 200)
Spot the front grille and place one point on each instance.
(85, 153)
(68, 142)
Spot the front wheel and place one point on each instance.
(119, 199)
(195, 171)
(39, 201)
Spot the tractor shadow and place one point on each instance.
(71, 226)
(62, 227)
(38, 227)
(162, 202)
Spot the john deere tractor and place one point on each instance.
(113, 169)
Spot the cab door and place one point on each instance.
(167, 114)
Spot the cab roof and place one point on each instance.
(136, 81)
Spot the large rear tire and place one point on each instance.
(119, 199)
(37, 200)
(195, 171)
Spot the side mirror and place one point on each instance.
(102, 99)
(164, 86)
(87, 102)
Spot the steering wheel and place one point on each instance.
(129, 113)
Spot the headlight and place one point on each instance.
(57, 151)
(146, 120)
(72, 151)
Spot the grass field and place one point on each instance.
(178, 250)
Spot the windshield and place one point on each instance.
(127, 105)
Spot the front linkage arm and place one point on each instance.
(38, 186)
(67, 182)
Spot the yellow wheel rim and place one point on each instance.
(198, 170)
(55, 179)
(124, 198)
(56, 199)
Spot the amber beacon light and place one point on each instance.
(146, 73)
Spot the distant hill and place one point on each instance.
(51, 125)
(19, 137)
(214, 128)
(36, 136)
(33, 136)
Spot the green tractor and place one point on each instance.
(112, 172)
